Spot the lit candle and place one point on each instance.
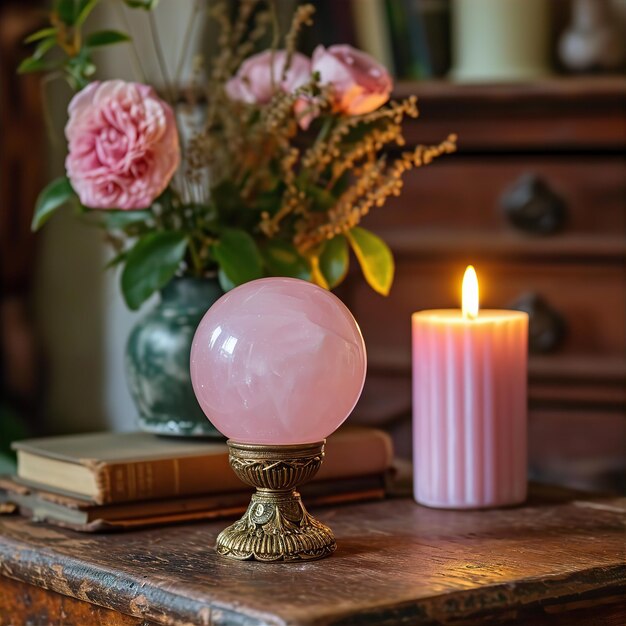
(469, 404)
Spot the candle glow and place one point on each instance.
(469, 404)
(470, 294)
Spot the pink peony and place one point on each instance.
(123, 145)
(253, 81)
(360, 83)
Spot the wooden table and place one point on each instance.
(557, 561)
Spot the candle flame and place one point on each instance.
(470, 293)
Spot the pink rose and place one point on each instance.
(361, 84)
(253, 81)
(123, 145)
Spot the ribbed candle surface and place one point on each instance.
(469, 408)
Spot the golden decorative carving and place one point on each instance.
(276, 526)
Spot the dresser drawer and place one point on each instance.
(587, 300)
(562, 114)
(534, 196)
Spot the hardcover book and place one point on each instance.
(79, 514)
(106, 468)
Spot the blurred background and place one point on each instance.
(535, 198)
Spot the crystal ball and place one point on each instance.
(278, 361)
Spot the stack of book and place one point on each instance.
(116, 481)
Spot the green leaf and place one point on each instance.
(334, 260)
(147, 5)
(268, 201)
(54, 195)
(119, 220)
(238, 256)
(85, 7)
(225, 283)
(322, 199)
(75, 81)
(31, 64)
(79, 69)
(374, 257)
(282, 259)
(105, 38)
(44, 33)
(67, 11)
(316, 273)
(43, 47)
(151, 264)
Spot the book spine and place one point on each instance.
(163, 478)
(130, 481)
(419, 66)
(398, 37)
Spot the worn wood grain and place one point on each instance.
(22, 604)
(397, 563)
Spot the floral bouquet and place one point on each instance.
(263, 166)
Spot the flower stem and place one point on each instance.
(275, 40)
(326, 127)
(185, 47)
(156, 40)
(195, 257)
(135, 60)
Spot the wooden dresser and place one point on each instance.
(535, 198)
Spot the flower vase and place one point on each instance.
(157, 360)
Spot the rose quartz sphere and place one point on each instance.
(278, 361)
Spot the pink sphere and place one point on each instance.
(278, 361)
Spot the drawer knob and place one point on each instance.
(546, 326)
(532, 206)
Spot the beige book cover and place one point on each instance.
(124, 467)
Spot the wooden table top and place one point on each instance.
(397, 562)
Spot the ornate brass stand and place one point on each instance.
(276, 526)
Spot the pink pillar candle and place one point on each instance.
(469, 408)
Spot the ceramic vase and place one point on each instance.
(157, 360)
